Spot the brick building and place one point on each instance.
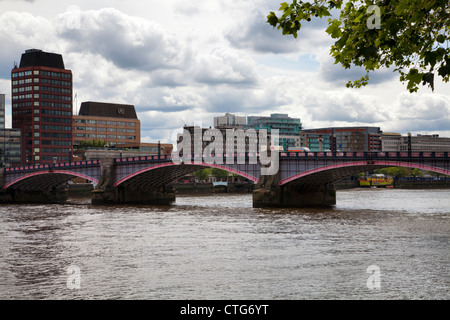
(42, 107)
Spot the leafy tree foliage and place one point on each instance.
(91, 144)
(413, 36)
(400, 172)
(219, 173)
(202, 175)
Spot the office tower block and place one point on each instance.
(42, 107)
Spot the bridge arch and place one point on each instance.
(46, 179)
(165, 173)
(331, 173)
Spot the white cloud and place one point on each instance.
(223, 65)
(129, 42)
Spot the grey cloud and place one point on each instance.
(255, 33)
(129, 42)
(338, 76)
(225, 67)
(164, 108)
(18, 33)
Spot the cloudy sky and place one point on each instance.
(184, 62)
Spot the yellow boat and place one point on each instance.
(377, 181)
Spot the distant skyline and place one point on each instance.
(184, 62)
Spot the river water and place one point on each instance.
(375, 244)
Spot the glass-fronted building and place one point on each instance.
(289, 128)
(362, 139)
(2, 111)
(10, 147)
(10, 140)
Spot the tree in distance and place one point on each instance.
(413, 36)
(202, 175)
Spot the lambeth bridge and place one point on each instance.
(302, 178)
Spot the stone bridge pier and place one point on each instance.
(268, 193)
(107, 193)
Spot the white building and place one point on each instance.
(229, 121)
(393, 142)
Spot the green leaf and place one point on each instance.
(283, 6)
(429, 78)
(272, 19)
(430, 58)
(440, 38)
(358, 18)
(333, 29)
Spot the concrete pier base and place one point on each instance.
(151, 196)
(295, 197)
(54, 195)
(268, 193)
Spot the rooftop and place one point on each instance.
(39, 58)
(109, 110)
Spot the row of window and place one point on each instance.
(105, 129)
(24, 73)
(50, 142)
(56, 128)
(23, 89)
(56, 82)
(36, 88)
(56, 120)
(50, 158)
(102, 122)
(43, 73)
(24, 81)
(48, 150)
(43, 81)
(56, 112)
(49, 134)
(53, 97)
(44, 104)
(44, 96)
(53, 89)
(104, 136)
(22, 96)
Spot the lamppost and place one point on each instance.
(159, 149)
(3, 162)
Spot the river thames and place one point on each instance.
(375, 244)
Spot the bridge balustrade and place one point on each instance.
(63, 165)
(130, 160)
(247, 155)
(365, 155)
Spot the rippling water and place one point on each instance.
(219, 247)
